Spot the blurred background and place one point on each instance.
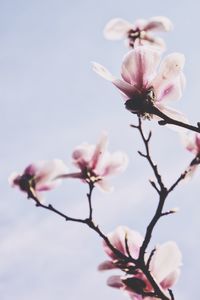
(51, 101)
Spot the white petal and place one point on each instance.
(170, 280)
(117, 162)
(116, 29)
(102, 71)
(104, 186)
(127, 89)
(139, 66)
(166, 259)
(172, 90)
(159, 24)
(170, 68)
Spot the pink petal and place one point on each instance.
(82, 155)
(123, 86)
(170, 68)
(116, 29)
(139, 66)
(170, 280)
(127, 89)
(106, 265)
(158, 24)
(102, 71)
(115, 282)
(172, 90)
(99, 151)
(166, 260)
(104, 186)
(13, 179)
(189, 141)
(47, 171)
(117, 162)
(117, 239)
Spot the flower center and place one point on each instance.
(133, 35)
(90, 176)
(142, 104)
(26, 182)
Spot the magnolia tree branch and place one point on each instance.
(138, 263)
(162, 191)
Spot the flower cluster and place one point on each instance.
(164, 264)
(94, 162)
(138, 33)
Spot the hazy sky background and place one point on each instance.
(52, 101)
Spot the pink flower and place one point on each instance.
(138, 33)
(146, 89)
(96, 163)
(38, 177)
(191, 142)
(164, 265)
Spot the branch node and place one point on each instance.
(162, 122)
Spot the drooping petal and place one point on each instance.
(139, 66)
(166, 260)
(102, 71)
(106, 265)
(126, 88)
(159, 23)
(116, 29)
(170, 68)
(115, 282)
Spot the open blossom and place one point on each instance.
(146, 88)
(164, 265)
(38, 177)
(96, 163)
(192, 143)
(139, 33)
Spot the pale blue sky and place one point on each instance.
(52, 101)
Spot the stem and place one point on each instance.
(168, 120)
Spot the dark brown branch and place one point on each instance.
(167, 120)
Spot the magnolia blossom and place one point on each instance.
(146, 88)
(164, 265)
(139, 33)
(192, 144)
(38, 177)
(96, 163)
